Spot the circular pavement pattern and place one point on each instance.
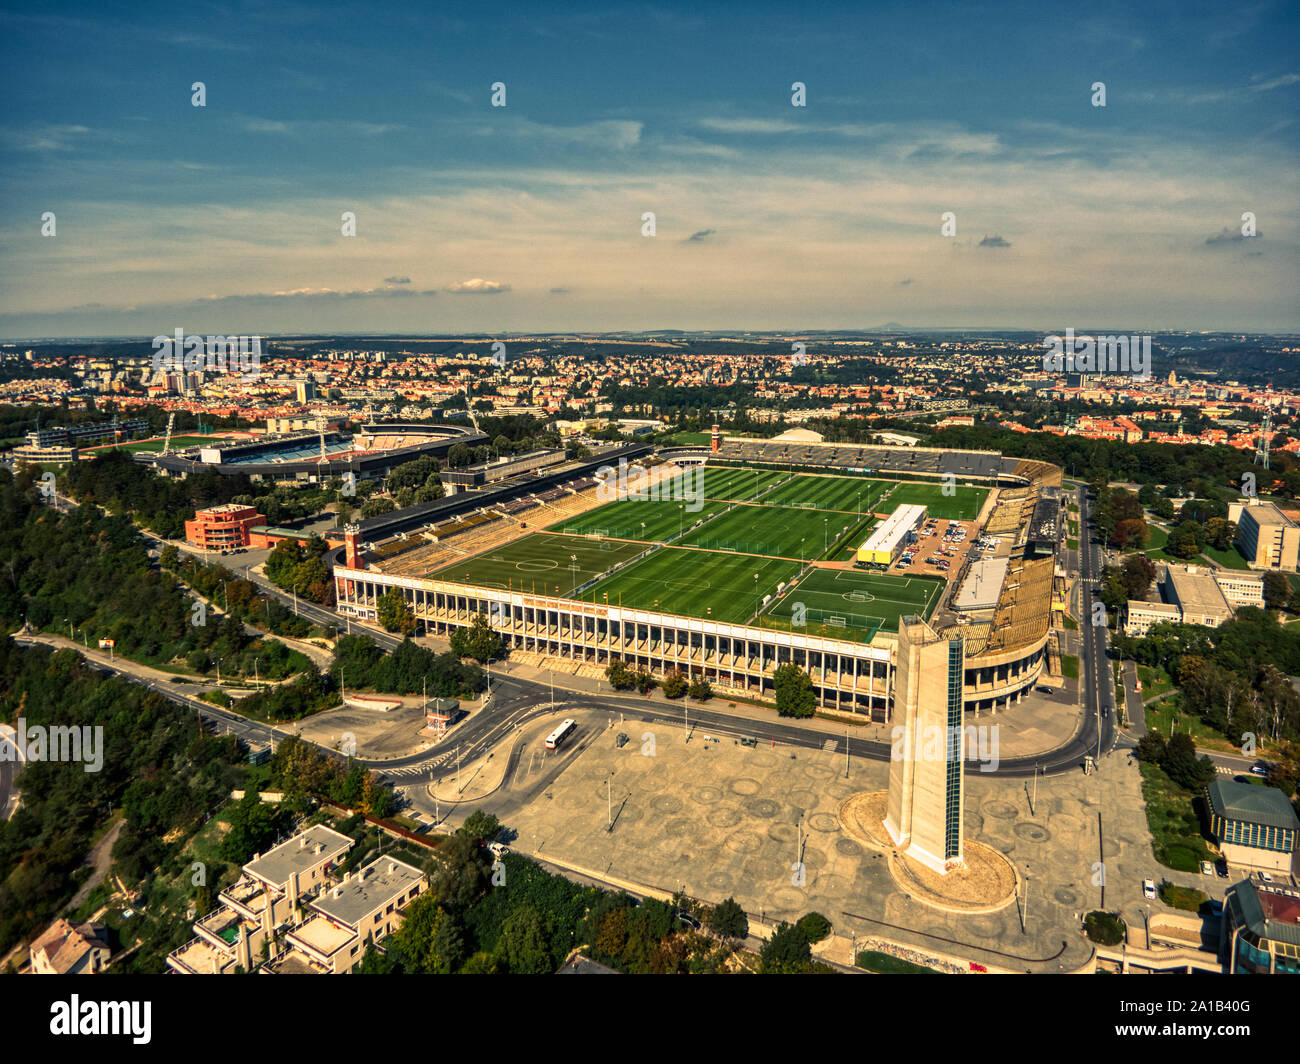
(1000, 810)
(823, 822)
(761, 807)
(707, 795)
(818, 772)
(848, 848)
(745, 786)
(719, 881)
(666, 804)
(743, 842)
(724, 817)
(788, 899)
(781, 832)
(1066, 896)
(1031, 832)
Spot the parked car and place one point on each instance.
(688, 920)
(498, 849)
(1264, 877)
(1221, 866)
(1148, 889)
(1207, 869)
(1259, 769)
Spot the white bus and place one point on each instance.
(561, 733)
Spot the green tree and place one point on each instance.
(701, 689)
(1182, 766)
(787, 952)
(674, 685)
(478, 641)
(1277, 590)
(728, 919)
(795, 696)
(394, 613)
(814, 926)
(480, 825)
(523, 942)
(619, 675)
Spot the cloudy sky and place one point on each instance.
(529, 217)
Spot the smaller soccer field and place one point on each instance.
(645, 519)
(695, 583)
(847, 604)
(963, 505)
(846, 494)
(541, 564)
(732, 484)
(776, 531)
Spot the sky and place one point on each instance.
(528, 217)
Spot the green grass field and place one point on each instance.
(846, 494)
(623, 519)
(963, 505)
(540, 563)
(738, 484)
(780, 531)
(696, 583)
(845, 604)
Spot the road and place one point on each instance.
(1094, 658)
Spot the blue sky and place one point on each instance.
(528, 217)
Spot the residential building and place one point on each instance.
(366, 907)
(63, 949)
(264, 900)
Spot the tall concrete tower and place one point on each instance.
(924, 817)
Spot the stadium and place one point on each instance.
(307, 457)
(729, 561)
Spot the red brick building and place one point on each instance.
(222, 528)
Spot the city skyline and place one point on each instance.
(474, 219)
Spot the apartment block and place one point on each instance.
(260, 903)
(367, 906)
(222, 528)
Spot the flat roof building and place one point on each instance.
(1268, 538)
(1142, 615)
(887, 540)
(1196, 593)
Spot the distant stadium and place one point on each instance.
(726, 571)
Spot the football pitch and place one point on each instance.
(846, 604)
(963, 505)
(845, 494)
(541, 564)
(644, 519)
(695, 583)
(780, 531)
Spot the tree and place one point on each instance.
(1185, 541)
(701, 689)
(644, 681)
(795, 696)
(1151, 747)
(1277, 590)
(728, 919)
(674, 685)
(1132, 532)
(394, 613)
(1182, 766)
(787, 952)
(480, 825)
(478, 641)
(523, 942)
(814, 926)
(619, 675)
(1136, 575)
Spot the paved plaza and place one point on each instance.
(719, 819)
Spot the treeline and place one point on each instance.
(155, 766)
(240, 597)
(303, 772)
(410, 669)
(87, 575)
(126, 488)
(1234, 677)
(300, 566)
